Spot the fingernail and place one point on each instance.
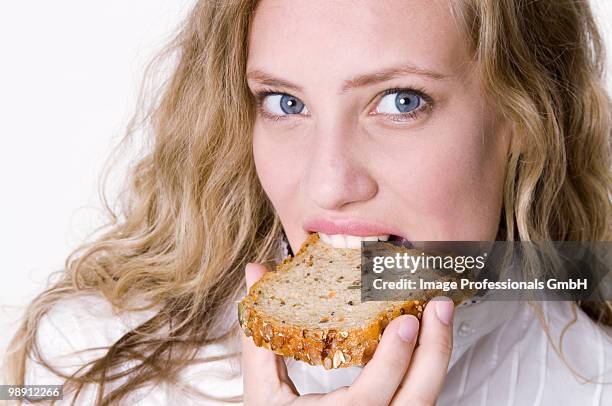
(408, 328)
(444, 309)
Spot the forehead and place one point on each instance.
(326, 41)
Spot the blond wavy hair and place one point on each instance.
(193, 212)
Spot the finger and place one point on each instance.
(423, 382)
(264, 372)
(253, 272)
(381, 376)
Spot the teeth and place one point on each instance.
(325, 238)
(349, 241)
(338, 240)
(353, 241)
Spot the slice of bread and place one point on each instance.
(310, 308)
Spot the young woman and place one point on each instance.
(438, 120)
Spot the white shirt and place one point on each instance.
(501, 356)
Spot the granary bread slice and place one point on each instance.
(310, 308)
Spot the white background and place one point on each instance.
(70, 72)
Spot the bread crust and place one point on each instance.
(331, 347)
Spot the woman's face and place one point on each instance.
(372, 122)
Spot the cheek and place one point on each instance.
(267, 158)
(278, 169)
(455, 185)
(470, 194)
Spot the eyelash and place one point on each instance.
(400, 117)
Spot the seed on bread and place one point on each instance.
(338, 359)
(327, 363)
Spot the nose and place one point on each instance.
(337, 174)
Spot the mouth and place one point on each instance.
(350, 232)
(354, 241)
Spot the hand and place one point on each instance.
(397, 374)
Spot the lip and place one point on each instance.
(349, 226)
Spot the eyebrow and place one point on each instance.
(363, 80)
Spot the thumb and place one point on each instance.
(253, 272)
(262, 368)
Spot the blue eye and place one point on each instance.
(398, 102)
(280, 104)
